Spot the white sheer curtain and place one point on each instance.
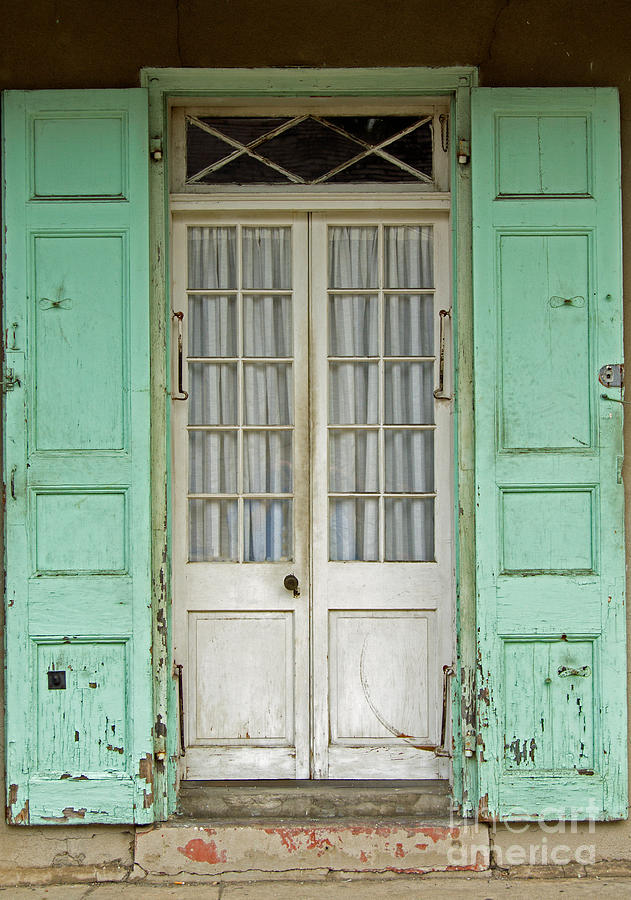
(354, 392)
(376, 307)
(266, 391)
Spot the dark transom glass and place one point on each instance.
(308, 149)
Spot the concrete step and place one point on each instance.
(190, 849)
(382, 800)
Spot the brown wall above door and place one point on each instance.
(70, 43)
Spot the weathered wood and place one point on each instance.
(464, 701)
(299, 82)
(549, 522)
(79, 746)
(265, 85)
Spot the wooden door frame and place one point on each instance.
(165, 84)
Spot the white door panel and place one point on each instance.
(241, 496)
(382, 569)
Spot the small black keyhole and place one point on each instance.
(56, 681)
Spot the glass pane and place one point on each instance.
(267, 530)
(203, 149)
(267, 258)
(409, 528)
(415, 148)
(212, 394)
(243, 129)
(353, 393)
(409, 393)
(244, 169)
(353, 257)
(373, 168)
(268, 396)
(372, 130)
(212, 459)
(353, 325)
(409, 462)
(354, 461)
(212, 325)
(212, 260)
(354, 529)
(408, 256)
(409, 325)
(310, 149)
(213, 530)
(267, 326)
(267, 462)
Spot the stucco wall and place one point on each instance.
(73, 44)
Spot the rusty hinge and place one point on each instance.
(10, 381)
(612, 375)
(464, 152)
(469, 743)
(155, 149)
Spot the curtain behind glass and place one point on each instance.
(354, 392)
(266, 391)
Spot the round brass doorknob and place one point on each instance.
(290, 583)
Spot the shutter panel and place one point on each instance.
(549, 522)
(79, 708)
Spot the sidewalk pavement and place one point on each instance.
(475, 887)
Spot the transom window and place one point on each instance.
(321, 144)
(308, 149)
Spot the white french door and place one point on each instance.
(312, 445)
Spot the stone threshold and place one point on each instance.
(328, 799)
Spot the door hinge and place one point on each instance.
(155, 149)
(612, 375)
(464, 152)
(10, 381)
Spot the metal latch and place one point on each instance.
(10, 381)
(612, 375)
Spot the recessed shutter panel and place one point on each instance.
(79, 710)
(549, 520)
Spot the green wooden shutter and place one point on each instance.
(79, 710)
(549, 520)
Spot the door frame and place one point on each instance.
(455, 83)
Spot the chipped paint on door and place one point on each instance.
(549, 517)
(79, 705)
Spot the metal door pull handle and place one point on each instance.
(439, 393)
(180, 705)
(181, 393)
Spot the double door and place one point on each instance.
(312, 498)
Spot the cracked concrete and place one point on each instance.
(195, 849)
(474, 887)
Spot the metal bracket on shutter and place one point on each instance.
(612, 375)
(571, 672)
(10, 381)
